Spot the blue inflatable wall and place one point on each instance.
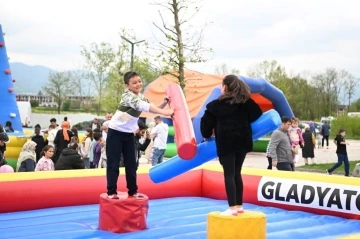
(270, 92)
(175, 166)
(9, 109)
(257, 86)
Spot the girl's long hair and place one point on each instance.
(45, 149)
(237, 91)
(90, 135)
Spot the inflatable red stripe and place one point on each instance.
(184, 130)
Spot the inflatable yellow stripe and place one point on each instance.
(7, 177)
(291, 175)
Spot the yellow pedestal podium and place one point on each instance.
(247, 225)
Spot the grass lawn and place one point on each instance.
(323, 167)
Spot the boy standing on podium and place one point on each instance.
(120, 138)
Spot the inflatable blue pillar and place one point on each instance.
(9, 109)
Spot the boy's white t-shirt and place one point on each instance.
(160, 132)
(126, 117)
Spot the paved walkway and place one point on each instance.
(324, 155)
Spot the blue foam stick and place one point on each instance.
(175, 166)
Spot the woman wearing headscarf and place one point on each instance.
(62, 139)
(27, 158)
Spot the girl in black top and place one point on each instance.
(231, 116)
(341, 153)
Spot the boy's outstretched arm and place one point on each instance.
(166, 101)
(157, 110)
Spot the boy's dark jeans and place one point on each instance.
(341, 158)
(117, 144)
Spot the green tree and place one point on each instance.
(350, 84)
(115, 83)
(328, 85)
(98, 61)
(60, 86)
(34, 103)
(269, 70)
(223, 69)
(66, 105)
(183, 41)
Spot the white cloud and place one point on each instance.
(299, 34)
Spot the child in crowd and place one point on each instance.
(103, 158)
(40, 142)
(46, 163)
(268, 156)
(91, 150)
(85, 147)
(319, 138)
(51, 134)
(149, 149)
(70, 158)
(296, 138)
(341, 152)
(4, 138)
(97, 149)
(120, 138)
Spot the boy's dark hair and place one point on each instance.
(52, 120)
(341, 131)
(73, 145)
(4, 137)
(97, 136)
(96, 130)
(285, 119)
(37, 126)
(157, 118)
(142, 125)
(128, 75)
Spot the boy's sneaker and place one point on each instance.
(229, 212)
(114, 196)
(328, 172)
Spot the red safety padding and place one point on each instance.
(1, 44)
(184, 129)
(126, 214)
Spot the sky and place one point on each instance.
(301, 35)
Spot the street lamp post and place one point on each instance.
(132, 50)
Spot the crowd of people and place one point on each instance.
(58, 148)
(283, 148)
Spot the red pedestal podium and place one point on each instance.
(126, 214)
